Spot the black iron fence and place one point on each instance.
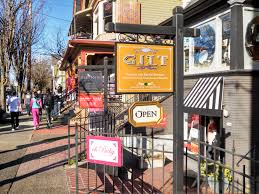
(148, 164)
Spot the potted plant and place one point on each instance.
(212, 173)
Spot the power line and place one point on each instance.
(55, 17)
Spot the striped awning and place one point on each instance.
(205, 97)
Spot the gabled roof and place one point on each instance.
(75, 45)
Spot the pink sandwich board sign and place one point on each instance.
(104, 150)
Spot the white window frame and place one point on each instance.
(98, 15)
(217, 60)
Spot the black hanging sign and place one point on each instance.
(90, 81)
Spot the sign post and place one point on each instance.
(178, 32)
(178, 130)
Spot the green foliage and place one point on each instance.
(212, 171)
(72, 161)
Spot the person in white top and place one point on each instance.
(14, 104)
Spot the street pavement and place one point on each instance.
(33, 161)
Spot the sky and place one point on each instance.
(57, 16)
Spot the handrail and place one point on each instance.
(244, 157)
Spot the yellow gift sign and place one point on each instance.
(143, 68)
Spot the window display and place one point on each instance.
(204, 46)
(210, 51)
(208, 130)
(193, 134)
(252, 38)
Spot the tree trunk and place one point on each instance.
(2, 94)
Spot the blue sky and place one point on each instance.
(58, 14)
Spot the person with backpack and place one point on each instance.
(36, 105)
(48, 105)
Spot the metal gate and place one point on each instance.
(148, 165)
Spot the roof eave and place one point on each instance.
(72, 44)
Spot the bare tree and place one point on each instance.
(41, 74)
(8, 13)
(26, 34)
(19, 30)
(57, 48)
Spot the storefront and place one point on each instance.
(81, 53)
(203, 113)
(221, 78)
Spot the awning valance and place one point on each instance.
(205, 97)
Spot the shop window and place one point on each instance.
(212, 135)
(204, 46)
(107, 12)
(226, 26)
(252, 39)
(193, 132)
(208, 130)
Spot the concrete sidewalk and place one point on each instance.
(32, 161)
(13, 146)
(41, 170)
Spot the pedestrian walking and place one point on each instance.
(40, 95)
(14, 105)
(36, 105)
(48, 105)
(27, 102)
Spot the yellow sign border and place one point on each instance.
(120, 89)
(144, 103)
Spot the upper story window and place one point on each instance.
(204, 46)
(107, 12)
(102, 15)
(78, 5)
(252, 38)
(211, 50)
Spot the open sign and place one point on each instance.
(145, 113)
